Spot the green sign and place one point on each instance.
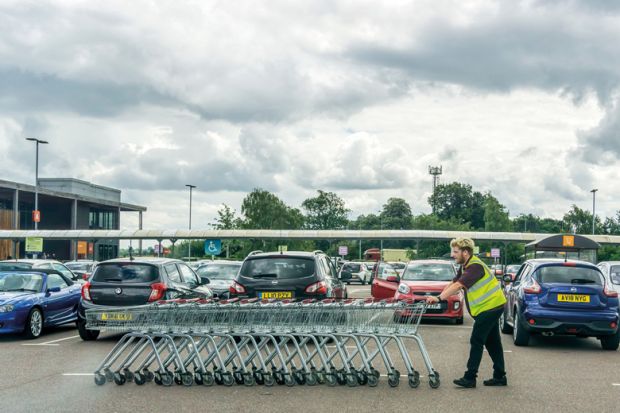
(34, 244)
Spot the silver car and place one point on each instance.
(220, 275)
(611, 271)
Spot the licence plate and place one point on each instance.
(435, 306)
(116, 317)
(278, 295)
(574, 298)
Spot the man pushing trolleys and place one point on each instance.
(485, 302)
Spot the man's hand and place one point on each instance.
(431, 299)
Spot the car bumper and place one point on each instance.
(12, 322)
(586, 323)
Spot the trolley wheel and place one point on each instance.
(289, 380)
(100, 379)
(299, 377)
(198, 378)
(258, 377)
(109, 376)
(248, 379)
(218, 377)
(148, 375)
(238, 377)
(433, 380)
(139, 378)
(157, 378)
(279, 377)
(207, 379)
(321, 377)
(414, 380)
(268, 379)
(372, 380)
(167, 379)
(331, 379)
(362, 377)
(227, 379)
(119, 378)
(375, 372)
(178, 379)
(394, 378)
(312, 378)
(187, 379)
(341, 377)
(352, 379)
(128, 375)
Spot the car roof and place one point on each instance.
(610, 262)
(81, 262)
(431, 261)
(291, 254)
(222, 262)
(541, 261)
(142, 260)
(32, 261)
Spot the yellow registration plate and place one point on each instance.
(279, 295)
(116, 317)
(574, 298)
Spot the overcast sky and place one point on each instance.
(356, 97)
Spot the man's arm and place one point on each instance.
(451, 289)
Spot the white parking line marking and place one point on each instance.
(78, 374)
(50, 343)
(505, 351)
(615, 384)
(60, 339)
(41, 344)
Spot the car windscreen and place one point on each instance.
(560, 274)
(398, 265)
(429, 272)
(10, 281)
(79, 266)
(126, 273)
(351, 268)
(278, 267)
(15, 266)
(219, 271)
(513, 268)
(615, 274)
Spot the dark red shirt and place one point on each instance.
(469, 276)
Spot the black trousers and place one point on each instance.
(486, 334)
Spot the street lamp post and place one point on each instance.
(593, 208)
(189, 248)
(36, 181)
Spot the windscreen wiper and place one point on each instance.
(581, 281)
(114, 279)
(265, 275)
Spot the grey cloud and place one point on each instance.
(601, 144)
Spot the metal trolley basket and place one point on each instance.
(248, 342)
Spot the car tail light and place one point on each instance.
(236, 288)
(404, 289)
(317, 288)
(157, 291)
(86, 292)
(532, 321)
(569, 264)
(532, 287)
(609, 292)
(613, 324)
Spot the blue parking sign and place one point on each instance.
(213, 246)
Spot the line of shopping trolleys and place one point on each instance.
(263, 342)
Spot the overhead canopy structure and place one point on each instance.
(565, 245)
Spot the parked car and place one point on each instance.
(398, 266)
(288, 275)
(429, 277)
(611, 271)
(125, 282)
(220, 275)
(551, 296)
(82, 268)
(26, 264)
(385, 281)
(355, 271)
(33, 299)
(512, 270)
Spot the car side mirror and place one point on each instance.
(507, 279)
(393, 278)
(53, 290)
(204, 280)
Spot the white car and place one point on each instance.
(355, 271)
(611, 271)
(399, 267)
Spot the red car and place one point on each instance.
(422, 278)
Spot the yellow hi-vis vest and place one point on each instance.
(486, 293)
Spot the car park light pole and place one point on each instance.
(593, 208)
(189, 248)
(36, 212)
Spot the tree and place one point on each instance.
(396, 214)
(325, 211)
(263, 210)
(495, 215)
(580, 221)
(226, 219)
(458, 202)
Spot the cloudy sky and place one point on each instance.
(356, 97)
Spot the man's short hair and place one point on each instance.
(464, 244)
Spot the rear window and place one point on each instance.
(79, 266)
(126, 273)
(569, 275)
(429, 272)
(278, 267)
(219, 271)
(351, 267)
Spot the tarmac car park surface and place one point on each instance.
(54, 374)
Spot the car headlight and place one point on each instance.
(7, 308)
(404, 289)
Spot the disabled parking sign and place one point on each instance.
(213, 247)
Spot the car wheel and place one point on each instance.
(503, 325)
(611, 342)
(34, 324)
(520, 337)
(86, 334)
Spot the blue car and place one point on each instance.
(560, 297)
(33, 299)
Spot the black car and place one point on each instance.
(287, 275)
(126, 282)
